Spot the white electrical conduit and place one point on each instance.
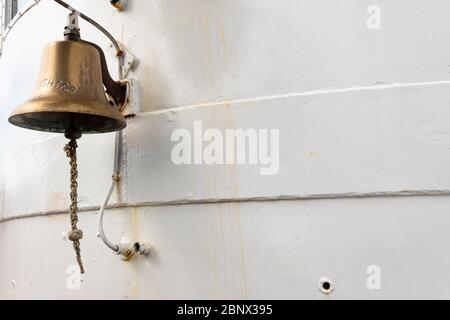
(115, 180)
(101, 232)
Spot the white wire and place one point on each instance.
(115, 180)
(101, 232)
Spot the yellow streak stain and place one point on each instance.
(312, 154)
(135, 232)
(237, 216)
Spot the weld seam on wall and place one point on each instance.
(298, 94)
(180, 202)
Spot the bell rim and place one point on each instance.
(12, 121)
(28, 108)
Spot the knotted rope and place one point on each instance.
(75, 235)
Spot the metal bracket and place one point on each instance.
(117, 90)
(134, 98)
(129, 59)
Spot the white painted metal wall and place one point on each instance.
(364, 154)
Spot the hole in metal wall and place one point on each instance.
(326, 285)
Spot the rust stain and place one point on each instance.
(222, 38)
(237, 217)
(236, 214)
(129, 265)
(312, 154)
(57, 200)
(136, 287)
(207, 46)
(135, 222)
(135, 236)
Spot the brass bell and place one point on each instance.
(70, 95)
(70, 98)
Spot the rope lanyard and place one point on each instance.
(75, 235)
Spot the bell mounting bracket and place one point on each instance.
(116, 90)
